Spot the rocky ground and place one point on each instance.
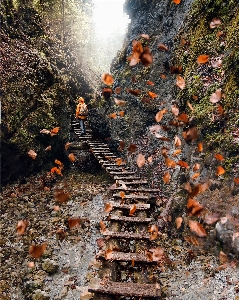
(190, 270)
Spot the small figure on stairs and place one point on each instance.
(81, 114)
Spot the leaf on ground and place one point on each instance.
(121, 113)
(132, 148)
(194, 207)
(120, 102)
(122, 194)
(220, 171)
(71, 157)
(102, 226)
(166, 177)
(179, 222)
(160, 114)
(192, 240)
(140, 160)
(46, 131)
(108, 254)
(118, 161)
(72, 222)
(158, 253)
(223, 257)
(149, 82)
(211, 218)
(48, 148)
(113, 116)
(118, 90)
(196, 167)
(175, 110)
(36, 251)
(108, 207)
(177, 142)
(153, 229)
(32, 154)
(177, 1)
(176, 152)
(202, 59)
(236, 180)
(183, 164)
(67, 145)
(195, 175)
(219, 157)
(200, 147)
(145, 36)
(61, 195)
(132, 209)
(121, 145)
(215, 97)
(197, 228)
(134, 92)
(152, 95)
(162, 76)
(107, 79)
(170, 162)
(191, 134)
(215, 23)
(162, 47)
(55, 131)
(180, 82)
(176, 69)
(21, 226)
(146, 57)
(183, 117)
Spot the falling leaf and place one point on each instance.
(32, 154)
(180, 82)
(220, 171)
(36, 251)
(118, 90)
(137, 51)
(132, 209)
(166, 177)
(72, 222)
(162, 47)
(113, 116)
(121, 113)
(175, 110)
(215, 97)
(215, 23)
(196, 167)
(183, 164)
(120, 102)
(21, 226)
(55, 130)
(170, 163)
(132, 148)
(196, 175)
(200, 147)
(153, 232)
(108, 207)
(61, 196)
(202, 59)
(183, 117)
(178, 222)
(71, 157)
(176, 152)
(194, 207)
(102, 226)
(152, 95)
(146, 57)
(149, 82)
(48, 148)
(197, 228)
(140, 160)
(177, 142)
(107, 79)
(160, 114)
(145, 36)
(177, 1)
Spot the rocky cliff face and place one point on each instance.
(179, 112)
(40, 83)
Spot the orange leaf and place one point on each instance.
(202, 59)
(220, 171)
(175, 110)
(215, 97)
(177, 142)
(54, 131)
(150, 159)
(196, 175)
(67, 145)
(166, 177)
(118, 90)
(108, 254)
(149, 82)
(108, 207)
(132, 148)
(140, 160)
(107, 79)
(61, 196)
(121, 145)
(183, 164)
(164, 151)
(30, 264)
(215, 23)
(132, 209)
(122, 194)
(58, 162)
(113, 116)
(134, 92)
(176, 152)
(71, 157)
(200, 147)
(197, 228)
(190, 106)
(160, 114)
(180, 82)
(102, 226)
(120, 102)
(32, 154)
(162, 47)
(48, 148)
(183, 117)
(236, 180)
(170, 163)
(158, 253)
(195, 97)
(191, 134)
(146, 57)
(36, 251)
(176, 1)
(121, 113)
(118, 161)
(176, 70)
(219, 156)
(21, 226)
(178, 222)
(196, 167)
(152, 95)
(211, 218)
(162, 76)
(72, 222)
(153, 232)
(194, 207)
(145, 36)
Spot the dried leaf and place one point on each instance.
(31, 264)
(36, 251)
(118, 161)
(202, 59)
(162, 47)
(132, 148)
(55, 130)
(166, 177)
(178, 222)
(175, 110)
(32, 154)
(132, 209)
(152, 95)
(200, 147)
(102, 226)
(176, 69)
(183, 164)
(220, 171)
(149, 82)
(180, 82)
(108, 254)
(158, 253)
(211, 218)
(120, 102)
(72, 222)
(67, 145)
(197, 228)
(146, 57)
(215, 23)
(176, 152)
(160, 114)
(121, 113)
(48, 148)
(107, 92)
(162, 76)
(183, 117)
(196, 167)
(113, 116)
(21, 226)
(134, 92)
(223, 257)
(170, 163)
(150, 159)
(236, 180)
(190, 106)
(121, 145)
(45, 131)
(177, 142)
(58, 162)
(122, 194)
(153, 232)
(145, 36)
(177, 1)
(215, 97)
(191, 134)
(140, 160)
(61, 196)
(118, 90)
(196, 175)
(194, 207)
(107, 79)
(71, 157)
(108, 207)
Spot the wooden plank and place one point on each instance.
(127, 235)
(139, 206)
(135, 182)
(126, 177)
(132, 196)
(122, 173)
(135, 189)
(122, 256)
(130, 219)
(127, 289)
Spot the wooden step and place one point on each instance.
(132, 196)
(127, 235)
(135, 189)
(139, 206)
(129, 219)
(109, 164)
(127, 289)
(115, 167)
(122, 256)
(135, 182)
(126, 177)
(122, 173)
